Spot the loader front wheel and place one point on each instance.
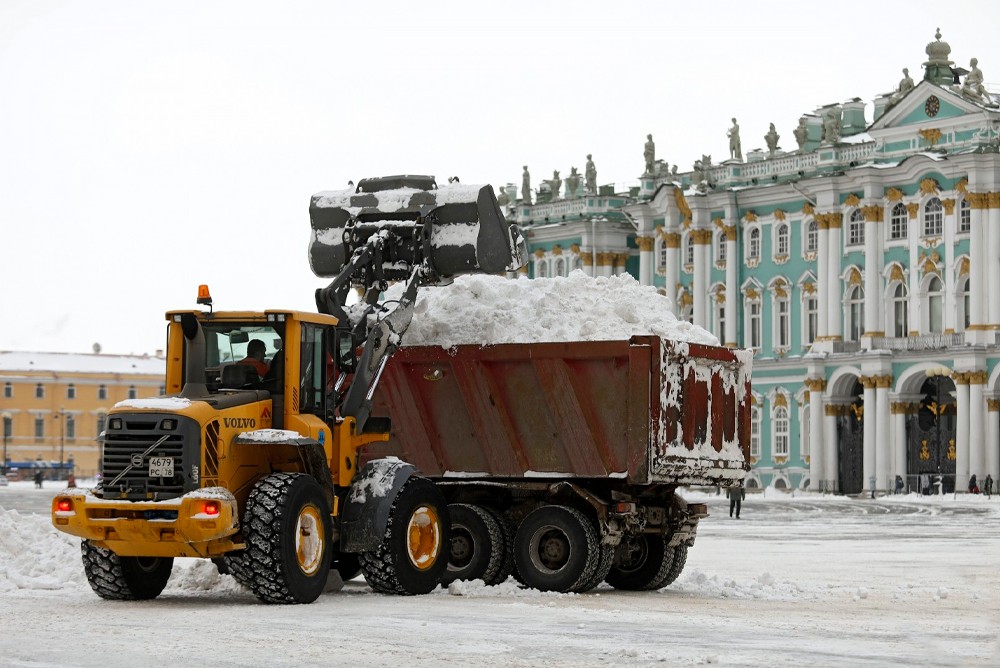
(413, 554)
(556, 549)
(124, 578)
(477, 545)
(642, 563)
(287, 530)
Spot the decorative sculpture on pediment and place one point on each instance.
(735, 147)
(831, 126)
(930, 135)
(682, 204)
(572, 183)
(649, 154)
(750, 216)
(526, 186)
(779, 214)
(962, 186)
(801, 133)
(894, 194)
(808, 209)
(852, 200)
(771, 139)
(854, 278)
(590, 174)
(963, 267)
(972, 87)
(929, 186)
(896, 274)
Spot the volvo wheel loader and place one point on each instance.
(261, 474)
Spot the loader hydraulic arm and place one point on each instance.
(400, 228)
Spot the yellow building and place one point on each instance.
(54, 405)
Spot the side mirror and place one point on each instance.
(343, 350)
(239, 336)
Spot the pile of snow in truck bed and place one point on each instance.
(486, 310)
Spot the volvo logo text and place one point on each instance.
(240, 423)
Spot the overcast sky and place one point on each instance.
(147, 147)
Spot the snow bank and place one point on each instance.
(485, 310)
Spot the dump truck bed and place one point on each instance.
(647, 410)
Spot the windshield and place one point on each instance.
(227, 342)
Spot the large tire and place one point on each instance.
(413, 554)
(556, 549)
(124, 578)
(287, 530)
(677, 565)
(642, 563)
(476, 546)
(506, 567)
(604, 561)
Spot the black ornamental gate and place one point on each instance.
(930, 442)
(850, 437)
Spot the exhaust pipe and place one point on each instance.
(194, 358)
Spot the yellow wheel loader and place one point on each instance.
(259, 471)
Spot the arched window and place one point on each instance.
(855, 313)
(810, 307)
(755, 432)
(661, 254)
(964, 216)
(933, 217)
(560, 267)
(781, 240)
(754, 333)
(962, 300)
(856, 229)
(900, 311)
(541, 269)
(935, 305)
(804, 433)
(720, 246)
(897, 221)
(781, 431)
(782, 319)
(812, 237)
(753, 244)
(577, 262)
(689, 249)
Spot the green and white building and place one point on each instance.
(863, 269)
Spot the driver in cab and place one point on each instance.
(256, 350)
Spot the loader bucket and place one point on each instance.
(451, 230)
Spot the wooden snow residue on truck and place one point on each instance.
(646, 410)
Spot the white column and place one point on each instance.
(950, 308)
(646, 246)
(817, 472)
(822, 278)
(993, 441)
(884, 456)
(977, 259)
(831, 461)
(733, 301)
(977, 427)
(605, 264)
(962, 435)
(702, 240)
(673, 273)
(834, 307)
(873, 279)
(871, 422)
(899, 413)
(993, 259)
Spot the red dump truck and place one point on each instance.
(560, 461)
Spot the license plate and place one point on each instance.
(161, 467)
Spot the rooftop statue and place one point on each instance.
(556, 184)
(526, 186)
(831, 126)
(973, 87)
(649, 154)
(735, 149)
(801, 133)
(591, 175)
(772, 138)
(572, 183)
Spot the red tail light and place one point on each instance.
(64, 505)
(211, 508)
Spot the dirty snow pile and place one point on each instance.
(485, 310)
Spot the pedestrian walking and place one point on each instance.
(736, 496)
(871, 483)
(973, 485)
(38, 478)
(899, 484)
(988, 485)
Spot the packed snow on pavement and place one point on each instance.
(801, 579)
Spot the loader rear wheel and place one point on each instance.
(287, 530)
(643, 563)
(477, 544)
(556, 549)
(413, 554)
(124, 578)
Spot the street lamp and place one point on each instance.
(7, 427)
(61, 416)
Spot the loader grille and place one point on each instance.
(125, 467)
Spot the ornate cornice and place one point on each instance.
(730, 231)
(949, 206)
(913, 209)
(645, 244)
(883, 381)
(808, 209)
(815, 384)
(873, 213)
(672, 239)
(931, 136)
(852, 200)
(557, 250)
(978, 200)
(701, 237)
(779, 214)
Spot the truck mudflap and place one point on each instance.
(198, 524)
(369, 500)
(688, 529)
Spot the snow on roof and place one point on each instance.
(21, 361)
(484, 310)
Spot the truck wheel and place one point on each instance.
(506, 567)
(676, 566)
(642, 563)
(124, 578)
(236, 564)
(604, 561)
(477, 544)
(413, 555)
(286, 525)
(556, 549)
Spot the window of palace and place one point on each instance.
(782, 322)
(71, 391)
(560, 266)
(39, 391)
(755, 432)
(8, 391)
(70, 427)
(661, 254)
(935, 305)
(720, 320)
(541, 268)
(753, 328)
(810, 319)
(854, 303)
(781, 431)
(900, 311)
(964, 216)
(39, 428)
(102, 392)
(856, 228)
(577, 262)
(781, 242)
(753, 243)
(132, 392)
(804, 433)
(933, 218)
(812, 237)
(962, 302)
(689, 250)
(101, 419)
(720, 247)
(898, 219)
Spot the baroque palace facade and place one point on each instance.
(53, 406)
(863, 269)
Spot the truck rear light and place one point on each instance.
(211, 508)
(64, 505)
(623, 508)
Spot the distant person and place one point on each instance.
(988, 485)
(871, 483)
(256, 351)
(973, 485)
(925, 484)
(38, 479)
(736, 496)
(899, 484)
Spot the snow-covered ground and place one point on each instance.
(799, 580)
